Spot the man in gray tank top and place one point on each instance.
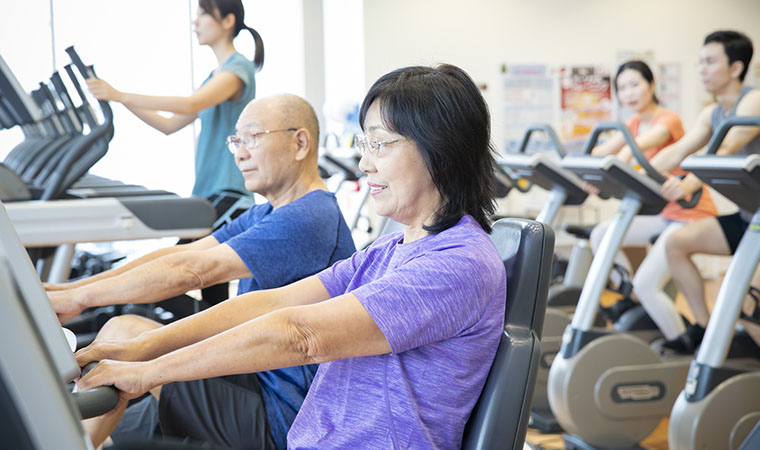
(723, 63)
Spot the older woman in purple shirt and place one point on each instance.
(406, 330)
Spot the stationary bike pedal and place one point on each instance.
(626, 287)
(614, 312)
(754, 316)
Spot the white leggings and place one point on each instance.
(653, 273)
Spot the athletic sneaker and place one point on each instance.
(687, 342)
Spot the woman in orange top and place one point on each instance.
(654, 128)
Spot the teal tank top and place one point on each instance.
(215, 167)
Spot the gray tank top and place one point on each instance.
(753, 147)
(719, 115)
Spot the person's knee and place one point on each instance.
(678, 244)
(642, 291)
(126, 327)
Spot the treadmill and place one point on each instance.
(110, 212)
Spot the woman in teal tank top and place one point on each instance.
(218, 102)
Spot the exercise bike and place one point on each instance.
(607, 388)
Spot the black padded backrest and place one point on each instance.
(500, 417)
(527, 248)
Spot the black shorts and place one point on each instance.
(733, 228)
(225, 411)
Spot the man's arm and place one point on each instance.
(201, 244)
(738, 137)
(671, 156)
(155, 280)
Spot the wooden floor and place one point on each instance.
(658, 440)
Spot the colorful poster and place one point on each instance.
(585, 100)
(528, 97)
(669, 86)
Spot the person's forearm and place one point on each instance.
(281, 337)
(609, 147)
(166, 125)
(150, 282)
(625, 155)
(177, 105)
(119, 270)
(210, 322)
(666, 161)
(257, 345)
(690, 184)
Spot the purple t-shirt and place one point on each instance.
(440, 302)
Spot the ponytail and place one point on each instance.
(235, 7)
(258, 56)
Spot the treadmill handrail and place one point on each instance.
(17, 96)
(720, 133)
(63, 95)
(65, 174)
(85, 108)
(550, 133)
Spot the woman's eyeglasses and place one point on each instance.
(372, 145)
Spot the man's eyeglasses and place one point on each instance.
(368, 144)
(235, 142)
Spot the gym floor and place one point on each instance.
(658, 440)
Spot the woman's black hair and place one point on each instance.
(738, 47)
(441, 110)
(640, 67)
(235, 7)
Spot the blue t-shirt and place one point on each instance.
(215, 167)
(439, 301)
(279, 247)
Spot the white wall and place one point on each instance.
(146, 47)
(480, 35)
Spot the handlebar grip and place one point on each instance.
(88, 367)
(558, 147)
(97, 401)
(60, 88)
(692, 202)
(86, 72)
(75, 82)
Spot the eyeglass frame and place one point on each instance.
(362, 142)
(239, 142)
